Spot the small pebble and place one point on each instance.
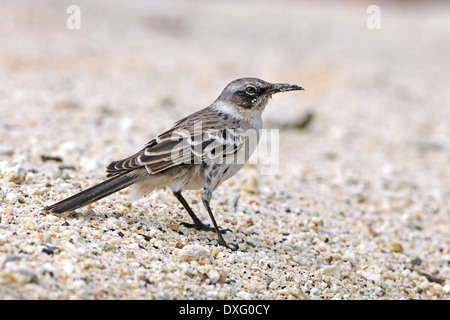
(446, 288)
(251, 185)
(173, 226)
(6, 151)
(194, 253)
(395, 247)
(416, 261)
(243, 295)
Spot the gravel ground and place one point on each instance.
(359, 207)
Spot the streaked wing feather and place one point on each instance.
(220, 136)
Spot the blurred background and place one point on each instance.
(373, 96)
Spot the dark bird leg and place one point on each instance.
(206, 198)
(198, 224)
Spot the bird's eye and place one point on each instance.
(250, 90)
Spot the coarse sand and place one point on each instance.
(356, 204)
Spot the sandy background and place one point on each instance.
(360, 205)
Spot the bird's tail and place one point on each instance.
(96, 192)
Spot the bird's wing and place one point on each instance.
(205, 136)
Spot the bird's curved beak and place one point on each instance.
(282, 87)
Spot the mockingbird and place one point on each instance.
(198, 152)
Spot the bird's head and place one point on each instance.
(253, 93)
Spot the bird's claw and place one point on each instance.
(202, 226)
(232, 247)
(206, 227)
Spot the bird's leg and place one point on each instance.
(206, 197)
(198, 224)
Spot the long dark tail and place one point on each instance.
(96, 192)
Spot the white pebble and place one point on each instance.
(194, 253)
(89, 164)
(244, 295)
(349, 256)
(67, 147)
(12, 173)
(211, 293)
(446, 288)
(11, 197)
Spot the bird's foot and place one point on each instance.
(202, 226)
(221, 241)
(232, 247)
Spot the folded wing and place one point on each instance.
(213, 137)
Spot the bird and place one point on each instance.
(199, 151)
